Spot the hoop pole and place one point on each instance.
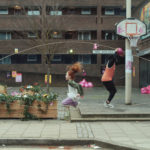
(128, 61)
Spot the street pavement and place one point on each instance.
(134, 134)
(48, 148)
(93, 105)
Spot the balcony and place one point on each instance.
(58, 69)
(19, 23)
(108, 22)
(49, 2)
(61, 46)
(112, 44)
(70, 22)
(73, 22)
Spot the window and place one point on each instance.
(85, 59)
(71, 35)
(123, 12)
(3, 11)
(57, 58)
(109, 35)
(93, 35)
(31, 58)
(56, 35)
(26, 59)
(6, 60)
(33, 12)
(18, 12)
(32, 35)
(69, 59)
(5, 36)
(85, 11)
(72, 58)
(104, 59)
(84, 35)
(55, 12)
(109, 11)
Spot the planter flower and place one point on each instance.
(28, 106)
(16, 94)
(3, 89)
(31, 89)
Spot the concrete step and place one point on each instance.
(75, 116)
(119, 111)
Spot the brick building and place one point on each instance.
(72, 25)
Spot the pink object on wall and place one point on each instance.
(95, 46)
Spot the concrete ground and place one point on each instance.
(48, 148)
(135, 134)
(132, 134)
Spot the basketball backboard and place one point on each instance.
(131, 27)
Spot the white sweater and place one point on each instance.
(72, 93)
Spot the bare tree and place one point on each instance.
(43, 29)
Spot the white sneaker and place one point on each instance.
(108, 105)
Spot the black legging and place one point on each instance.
(111, 88)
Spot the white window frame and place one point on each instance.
(32, 36)
(6, 35)
(33, 12)
(86, 11)
(81, 37)
(55, 12)
(31, 59)
(109, 11)
(3, 11)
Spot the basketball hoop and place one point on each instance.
(133, 40)
(132, 29)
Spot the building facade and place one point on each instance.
(33, 31)
(142, 55)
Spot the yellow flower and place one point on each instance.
(45, 95)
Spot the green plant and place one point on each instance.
(27, 101)
(35, 88)
(47, 99)
(7, 99)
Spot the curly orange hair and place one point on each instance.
(73, 69)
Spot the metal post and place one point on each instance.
(128, 61)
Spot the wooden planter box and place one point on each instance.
(17, 110)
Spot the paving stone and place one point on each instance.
(130, 133)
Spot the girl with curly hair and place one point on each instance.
(75, 90)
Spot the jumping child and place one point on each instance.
(107, 78)
(75, 90)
